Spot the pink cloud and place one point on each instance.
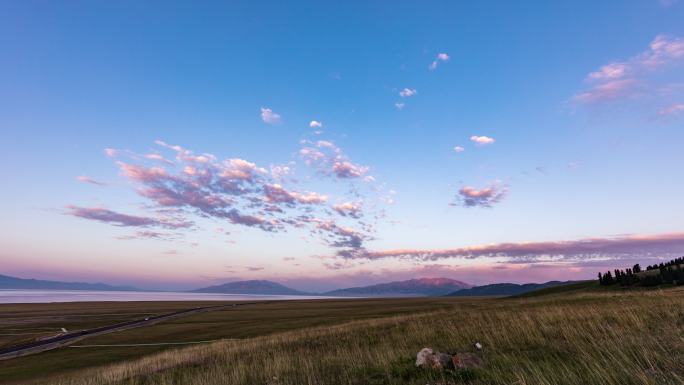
(484, 197)
(617, 79)
(606, 91)
(270, 117)
(346, 169)
(673, 109)
(441, 57)
(118, 219)
(328, 159)
(158, 157)
(87, 179)
(275, 193)
(348, 209)
(233, 190)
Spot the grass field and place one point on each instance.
(564, 337)
(244, 322)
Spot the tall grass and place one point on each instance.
(631, 338)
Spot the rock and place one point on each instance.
(467, 361)
(428, 358)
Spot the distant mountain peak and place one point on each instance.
(254, 286)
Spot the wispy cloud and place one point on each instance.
(459, 149)
(441, 57)
(674, 109)
(87, 179)
(157, 157)
(268, 116)
(328, 159)
(399, 105)
(124, 220)
(620, 79)
(147, 234)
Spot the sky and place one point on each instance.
(180, 144)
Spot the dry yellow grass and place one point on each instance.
(630, 338)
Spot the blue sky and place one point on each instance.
(584, 102)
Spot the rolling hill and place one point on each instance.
(505, 289)
(414, 287)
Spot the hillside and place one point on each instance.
(7, 282)
(413, 287)
(505, 289)
(261, 287)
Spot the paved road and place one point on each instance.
(69, 338)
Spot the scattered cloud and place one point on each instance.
(459, 149)
(238, 192)
(315, 124)
(254, 268)
(408, 92)
(484, 197)
(328, 159)
(87, 179)
(268, 116)
(399, 105)
(481, 140)
(441, 57)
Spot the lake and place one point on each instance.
(47, 296)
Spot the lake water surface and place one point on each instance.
(46, 296)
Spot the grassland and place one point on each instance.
(576, 337)
(35, 320)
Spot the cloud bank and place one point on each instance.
(617, 247)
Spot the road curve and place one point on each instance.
(69, 338)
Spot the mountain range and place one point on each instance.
(504, 289)
(7, 282)
(251, 287)
(413, 287)
(422, 287)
